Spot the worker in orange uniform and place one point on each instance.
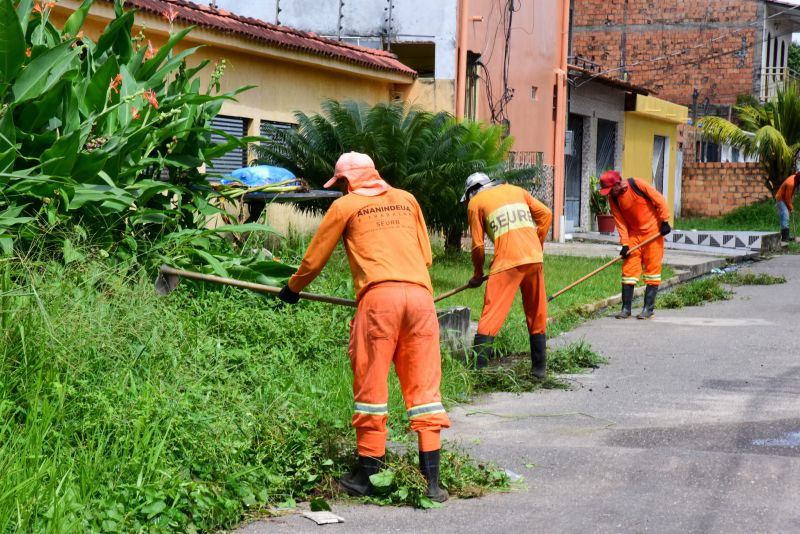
(387, 245)
(640, 212)
(783, 202)
(517, 224)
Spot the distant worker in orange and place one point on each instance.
(517, 224)
(387, 245)
(783, 202)
(640, 212)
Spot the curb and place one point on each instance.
(681, 276)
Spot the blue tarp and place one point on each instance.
(259, 175)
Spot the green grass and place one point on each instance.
(758, 217)
(122, 411)
(513, 374)
(453, 270)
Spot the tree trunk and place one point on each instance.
(452, 239)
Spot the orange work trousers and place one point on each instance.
(500, 292)
(648, 257)
(396, 323)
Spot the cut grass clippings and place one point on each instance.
(513, 374)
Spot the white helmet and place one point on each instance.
(474, 184)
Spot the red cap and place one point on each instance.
(608, 180)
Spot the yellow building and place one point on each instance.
(292, 70)
(651, 143)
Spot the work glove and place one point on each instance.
(475, 281)
(288, 296)
(624, 251)
(665, 228)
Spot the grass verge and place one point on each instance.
(712, 288)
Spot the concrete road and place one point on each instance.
(693, 426)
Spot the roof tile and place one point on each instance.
(272, 34)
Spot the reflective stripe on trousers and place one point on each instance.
(396, 323)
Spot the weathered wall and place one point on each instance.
(412, 21)
(714, 189)
(617, 33)
(283, 86)
(535, 56)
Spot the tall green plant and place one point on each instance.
(428, 154)
(107, 134)
(770, 131)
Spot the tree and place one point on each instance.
(427, 154)
(769, 131)
(794, 57)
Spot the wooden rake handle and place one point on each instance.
(603, 267)
(459, 289)
(166, 272)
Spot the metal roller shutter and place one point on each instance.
(235, 159)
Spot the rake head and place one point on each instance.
(166, 283)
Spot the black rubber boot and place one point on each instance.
(357, 483)
(648, 311)
(429, 465)
(483, 346)
(627, 300)
(785, 234)
(539, 355)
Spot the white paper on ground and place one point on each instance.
(323, 518)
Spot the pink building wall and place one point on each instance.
(533, 59)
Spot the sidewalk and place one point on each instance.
(692, 426)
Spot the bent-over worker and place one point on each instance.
(783, 202)
(517, 224)
(640, 212)
(389, 253)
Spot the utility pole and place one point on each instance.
(695, 96)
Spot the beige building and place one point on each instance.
(290, 69)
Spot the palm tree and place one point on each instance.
(427, 154)
(770, 131)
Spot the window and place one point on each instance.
(660, 151)
(606, 145)
(236, 158)
(419, 56)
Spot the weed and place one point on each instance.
(694, 294)
(513, 374)
(749, 278)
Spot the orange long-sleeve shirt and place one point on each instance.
(384, 236)
(636, 215)
(516, 223)
(787, 190)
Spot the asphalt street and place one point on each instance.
(692, 426)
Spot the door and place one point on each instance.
(659, 162)
(574, 170)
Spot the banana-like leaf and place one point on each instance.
(75, 21)
(12, 45)
(151, 66)
(44, 72)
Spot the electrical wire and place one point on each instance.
(692, 48)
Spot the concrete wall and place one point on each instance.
(714, 189)
(535, 56)
(411, 21)
(595, 101)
